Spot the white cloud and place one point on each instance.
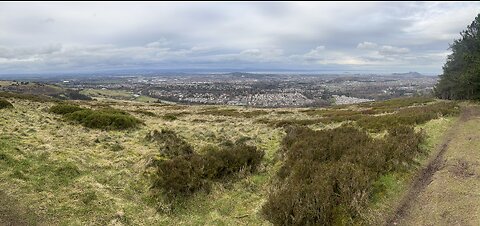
(367, 45)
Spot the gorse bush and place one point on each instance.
(327, 175)
(188, 172)
(108, 118)
(5, 104)
(169, 143)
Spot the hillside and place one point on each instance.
(57, 171)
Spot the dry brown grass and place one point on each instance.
(111, 186)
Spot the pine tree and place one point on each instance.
(461, 72)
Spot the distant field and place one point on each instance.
(6, 83)
(116, 94)
(69, 174)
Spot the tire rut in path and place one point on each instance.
(425, 176)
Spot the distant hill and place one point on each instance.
(409, 74)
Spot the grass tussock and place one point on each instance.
(170, 117)
(145, 112)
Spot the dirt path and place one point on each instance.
(447, 190)
(11, 213)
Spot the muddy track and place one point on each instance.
(425, 176)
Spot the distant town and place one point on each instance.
(245, 89)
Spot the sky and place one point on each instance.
(69, 37)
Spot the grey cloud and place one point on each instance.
(392, 50)
(409, 35)
(367, 45)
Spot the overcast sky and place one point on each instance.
(371, 36)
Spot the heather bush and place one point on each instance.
(408, 116)
(187, 172)
(169, 143)
(224, 162)
(328, 175)
(104, 120)
(180, 176)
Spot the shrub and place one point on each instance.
(229, 160)
(76, 95)
(180, 176)
(170, 145)
(107, 118)
(408, 116)
(185, 174)
(327, 179)
(396, 103)
(31, 97)
(63, 109)
(5, 104)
